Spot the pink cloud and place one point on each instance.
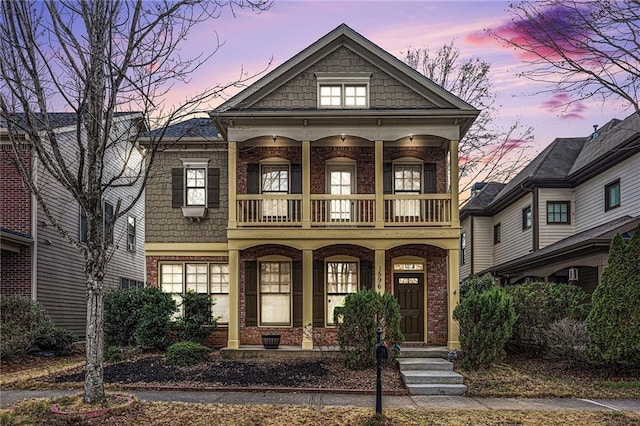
(552, 26)
(570, 110)
(514, 143)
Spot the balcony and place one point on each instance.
(343, 211)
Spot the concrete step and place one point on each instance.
(436, 389)
(428, 352)
(438, 364)
(432, 377)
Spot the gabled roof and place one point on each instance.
(344, 35)
(57, 119)
(482, 199)
(188, 129)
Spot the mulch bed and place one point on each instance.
(220, 373)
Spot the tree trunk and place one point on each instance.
(93, 381)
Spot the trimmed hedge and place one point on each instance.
(187, 353)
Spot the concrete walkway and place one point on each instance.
(319, 400)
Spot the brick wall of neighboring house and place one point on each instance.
(436, 259)
(301, 91)
(15, 216)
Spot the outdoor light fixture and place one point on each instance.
(343, 137)
(411, 138)
(274, 137)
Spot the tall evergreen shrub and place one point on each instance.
(614, 321)
(196, 322)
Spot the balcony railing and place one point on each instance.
(355, 211)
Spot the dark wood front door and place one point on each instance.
(409, 290)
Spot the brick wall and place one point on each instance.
(15, 273)
(426, 155)
(291, 154)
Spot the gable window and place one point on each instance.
(343, 90)
(108, 216)
(131, 233)
(497, 233)
(342, 279)
(211, 279)
(526, 218)
(194, 187)
(612, 195)
(558, 212)
(274, 181)
(275, 293)
(463, 247)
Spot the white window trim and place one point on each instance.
(342, 80)
(194, 163)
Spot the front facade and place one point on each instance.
(555, 220)
(36, 261)
(335, 172)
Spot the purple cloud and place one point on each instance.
(571, 110)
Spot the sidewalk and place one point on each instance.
(319, 400)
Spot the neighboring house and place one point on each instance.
(555, 220)
(36, 261)
(335, 172)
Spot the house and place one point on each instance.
(36, 261)
(555, 220)
(335, 172)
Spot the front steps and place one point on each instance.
(426, 371)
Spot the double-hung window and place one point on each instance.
(497, 233)
(526, 218)
(275, 293)
(407, 180)
(196, 186)
(558, 212)
(612, 195)
(108, 217)
(131, 233)
(342, 279)
(463, 247)
(274, 182)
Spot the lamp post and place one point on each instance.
(381, 355)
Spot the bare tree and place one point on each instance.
(100, 60)
(487, 151)
(589, 48)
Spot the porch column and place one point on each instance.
(307, 299)
(232, 176)
(453, 297)
(234, 297)
(379, 278)
(306, 184)
(455, 186)
(379, 157)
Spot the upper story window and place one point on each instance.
(131, 233)
(84, 227)
(195, 187)
(343, 90)
(612, 195)
(497, 233)
(274, 180)
(558, 212)
(526, 218)
(463, 247)
(108, 217)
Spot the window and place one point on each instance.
(612, 195)
(526, 218)
(463, 247)
(196, 186)
(330, 96)
(127, 284)
(342, 279)
(211, 279)
(275, 293)
(108, 216)
(343, 90)
(341, 182)
(274, 180)
(84, 230)
(407, 179)
(558, 212)
(131, 233)
(497, 233)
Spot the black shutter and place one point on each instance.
(366, 275)
(177, 188)
(253, 178)
(318, 293)
(430, 178)
(297, 293)
(296, 179)
(387, 178)
(213, 188)
(251, 293)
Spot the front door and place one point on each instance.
(409, 290)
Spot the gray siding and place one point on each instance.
(551, 233)
(482, 243)
(301, 91)
(166, 224)
(465, 268)
(515, 241)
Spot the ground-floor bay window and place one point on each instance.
(211, 279)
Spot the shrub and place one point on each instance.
(114, 353)
(25, 324)
(187, 353)
(479, 284)
(540, 304)
(196, 323)
(567, 340)
(486, 322)
(614, 322)
(120, 319)
(153, 315)
(362, 314)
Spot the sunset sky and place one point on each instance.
(251, 39)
